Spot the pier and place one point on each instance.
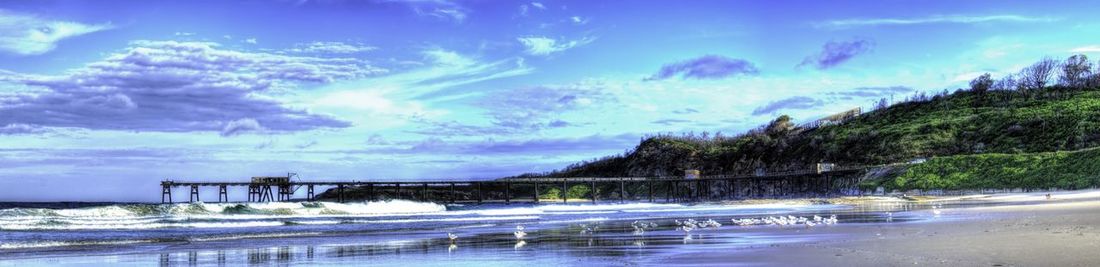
(808, 182)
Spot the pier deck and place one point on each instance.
(670, 188)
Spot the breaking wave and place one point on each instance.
(199, 215)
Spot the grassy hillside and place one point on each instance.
(961, 123)
(1068, 170)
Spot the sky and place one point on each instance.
(102, 100)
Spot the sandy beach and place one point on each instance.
(1062, 232)
(1024, 229)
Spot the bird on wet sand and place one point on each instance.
(520, 234)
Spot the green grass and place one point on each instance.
(575, 192)
(1065, 170)
(961, 123)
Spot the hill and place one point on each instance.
(1014, 118)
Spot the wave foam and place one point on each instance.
(199, 215)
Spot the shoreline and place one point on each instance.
(1061, 232)
(972, 231)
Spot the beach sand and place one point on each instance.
(1063, 232)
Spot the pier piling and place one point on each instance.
(564, 191)
(452, 193)
(479, 195)
(166, 192)
(194, 194)
(223, 194)
(622, 191)
(593, 191)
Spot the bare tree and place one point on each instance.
(1076, 71)
(881, 104)
(1038, 75)
(1095, 80)
(1008, 82)
(982, 83)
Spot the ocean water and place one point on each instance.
(388, 232)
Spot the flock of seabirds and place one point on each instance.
(689, 225)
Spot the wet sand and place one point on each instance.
(1058, 233)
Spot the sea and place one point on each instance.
(403, 232)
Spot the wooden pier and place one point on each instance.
(651, 189)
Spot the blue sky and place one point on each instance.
(118, 95)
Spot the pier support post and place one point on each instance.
(424, 192)
(479, 195)
(194, 194)
(223, 194)
(396, 190)
(266, 196)
(452, 193)
(622, 191)
(165, 193)
(370, 192)
(340, 193)
(649, 187)
(593, 191)
(508, 192)
(668, 191)
(699, 189)
(729, 188)
(536, 192)
(564, 191)
(284, 193)
(309, 193)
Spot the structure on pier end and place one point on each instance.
(259, 189)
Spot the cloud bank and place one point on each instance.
(706, 67)
(797, 102)
(958, 19)
(541, 46)
(176, 87)
(834, 53)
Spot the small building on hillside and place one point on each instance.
(692, 174)
(825, 167)
(836, 118)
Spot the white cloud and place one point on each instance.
(331, 48)
(1086, 49)
(448, 58)
(455, 14)
(145, 88)
(963, 19)
(240, 126)
(25, 34)
(250, 40)
(541, 46)
(538, 5)
(579, 20)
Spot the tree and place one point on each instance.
(981, 84)
(1076, 71)
(1038, 75)
(1008, 82)
(780, 126)
(881, 104)
(1095, 80)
